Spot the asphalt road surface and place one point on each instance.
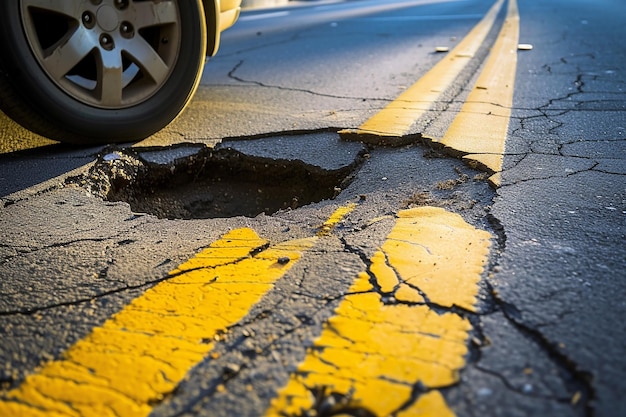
(398, 208)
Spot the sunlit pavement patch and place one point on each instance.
(14, 138)
(139, 356)
(391, 344)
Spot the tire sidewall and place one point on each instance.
(48, 101)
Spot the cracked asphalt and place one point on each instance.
(542, 331)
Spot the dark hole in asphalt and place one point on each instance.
(196, 182)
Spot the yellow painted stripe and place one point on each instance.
(395, 120)
(335, 218)
(481, 127)
(384, 340)
(139, 355)
(142, 352)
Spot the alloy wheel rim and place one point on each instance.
(108, 54)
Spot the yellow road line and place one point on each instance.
(335, 218)
(141, 353)
(374, 353)
(395, 120)
(481, 127)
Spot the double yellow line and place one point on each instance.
(479, 131)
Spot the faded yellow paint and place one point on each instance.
(141, 353)
(383, 338)
(481, 127)
(335, 218)
(396, 119)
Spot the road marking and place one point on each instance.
(335, 218)
(395, 120)
(481, 127)
(140, 354)
(386, 350)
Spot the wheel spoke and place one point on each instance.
(105, 57)
(142, 53)
(110, 79)
(66, 8)
(68, 54)
(146, 13)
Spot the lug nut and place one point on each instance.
(88, 20)
(126, 29)
(106, 42)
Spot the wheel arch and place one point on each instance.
(219, 16)
(212, 17)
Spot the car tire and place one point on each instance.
(99, 71)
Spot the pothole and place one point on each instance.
(240, 178)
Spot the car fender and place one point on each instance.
(219, 15)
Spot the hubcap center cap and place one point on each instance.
(107, 18)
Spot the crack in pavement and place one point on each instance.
(231, 74)
(582, 389)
